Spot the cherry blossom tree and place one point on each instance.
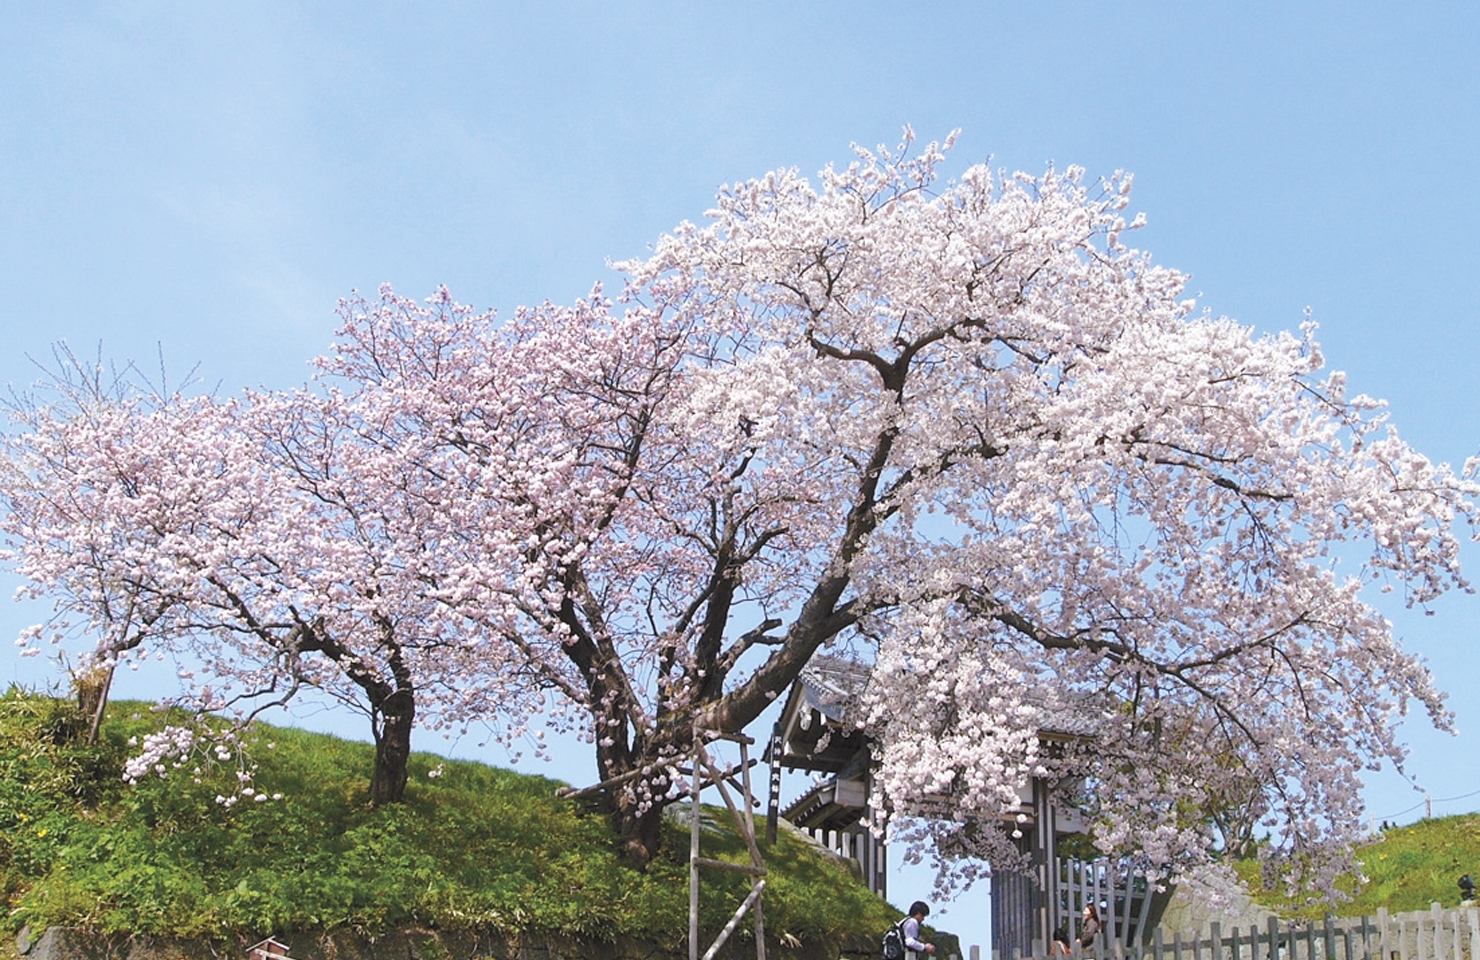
(271, 543)
(960, 429)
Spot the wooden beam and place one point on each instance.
(735, 920)
(754, 871)
(571, 793)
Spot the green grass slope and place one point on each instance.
(473, 846)
(1406, 868)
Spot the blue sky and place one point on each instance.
(207, 179)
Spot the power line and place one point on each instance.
(1427, 801)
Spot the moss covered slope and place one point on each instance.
(473, 846)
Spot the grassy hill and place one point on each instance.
(473, 846)
(1406, 868)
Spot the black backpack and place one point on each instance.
(894, 942)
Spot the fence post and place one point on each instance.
(1369, 932)
(1215, 940)
(1273, 929)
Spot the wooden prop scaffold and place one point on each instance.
(744, 823)
(705, 773)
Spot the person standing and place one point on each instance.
(911, 930)
(1090, 927)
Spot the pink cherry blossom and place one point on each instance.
(959, 430)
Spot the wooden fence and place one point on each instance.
(1119, 890)
(1433, 934)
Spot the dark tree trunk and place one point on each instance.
(394, 718)
(92, 697)
(640, 835)
(392, 703)
(632, 801)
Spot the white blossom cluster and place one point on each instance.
(174, 747)
(159, 752)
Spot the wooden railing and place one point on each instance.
(1433, 934)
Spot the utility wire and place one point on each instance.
(1429, 800)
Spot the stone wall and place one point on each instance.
(1206, 896)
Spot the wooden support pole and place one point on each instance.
(571, 793)
(694, 868)
(760, 920)
(740, 821)
(727, 776)
(749, 797)
(754, 871)
(724, 934)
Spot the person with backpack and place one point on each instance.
(903, 939)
